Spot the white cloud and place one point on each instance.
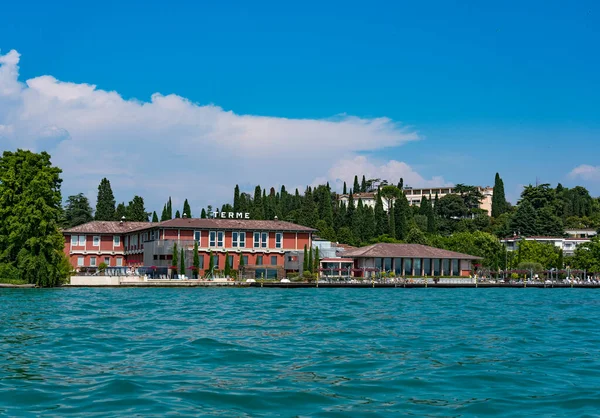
(344, 171)
(171, 146)
(586, 172)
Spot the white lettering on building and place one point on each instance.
(229, 215)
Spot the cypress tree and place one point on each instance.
(163, 215)
(392, 220)
(356, 185)
(196, 260)
(435, 203)
(257, 204)
(363, 184)
(242, 264)
(308, 211)
(177, 214)
(305, 260)
(350, 211)
(187, 210)
(236, 199)
(431, 225)
(203, 214)
(227, 269)
(381, 221)
(154, 217)
(211, 264)
(169, 209)
(174, 260)
(309, 263)
(105, 204)
(368, 223)
(561, 260)
(358, 220)
(499, 205)
(344, 191)
(316, 262)
(182, 262)
(401, 184)
(401, 215)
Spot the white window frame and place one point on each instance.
(116, 240)
(278, 240)
(74, 240)
(212, 238)
(199, 238)
(264, 240)
(220, 239)
(238, 239)
(256, 240)
(107, 261)
(96, 240)
(93, 261)
(82, 240)
(80, 261)
(242, 240)
(119, 262)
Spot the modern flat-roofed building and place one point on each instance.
(409, 260)
(261, 244)
(415, 196)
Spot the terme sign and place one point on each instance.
(229, 215)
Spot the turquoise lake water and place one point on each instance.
(299, 352)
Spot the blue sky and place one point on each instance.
(503, 86)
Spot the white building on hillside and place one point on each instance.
(567, 245)
(415, 196)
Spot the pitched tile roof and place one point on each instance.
(405, 250)
(107, 227)
(237, 224)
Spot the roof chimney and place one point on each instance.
(276, 217)
(122, 220)
(184, 215)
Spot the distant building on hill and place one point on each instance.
(415, 196)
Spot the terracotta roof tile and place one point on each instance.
(238, 224)
(405, 250)
(108, 227)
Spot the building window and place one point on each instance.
(201, 262)
(279, 240)
(398, 266)
(455, 268)
(264, 239)
(417, 266)
(107, 261)
(273, 260)
(378, 263)
(245, 257)
(238, 239)
(256, 239)
(220, 235)
(427, 266)
(387, 264)
(119, 262)
(216, 261)
(230, 258)
(92, 261)
(74, 240)
(82, 240)
(80, 261)
(259, 260)
(408, 268)
(197, 236)
(96, 241)
(436, 267)
(116, 240)
(212, 239)
(446, 267)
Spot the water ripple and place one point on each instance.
(304, 352)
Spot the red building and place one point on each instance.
(263, 245)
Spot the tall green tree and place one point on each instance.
(203, 214)
(175, 258)
(136, 211)
(309, 263)
(77, 210)
(257, 211)
(356, 185)
(187, 210)
(363, 185)
(182, 263)
(236, 199)
(177, 214)
(499, 204)
(196, 260)
(169, 209)
(524, 221)
(121, 211)
(316, 263)
(227, 269)
(305, 260)
(211, 264)
(402, 217)
(344, 190)
(154, 217)
(31, 245)
(105, 204)
(164, 216)
(381, 221)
